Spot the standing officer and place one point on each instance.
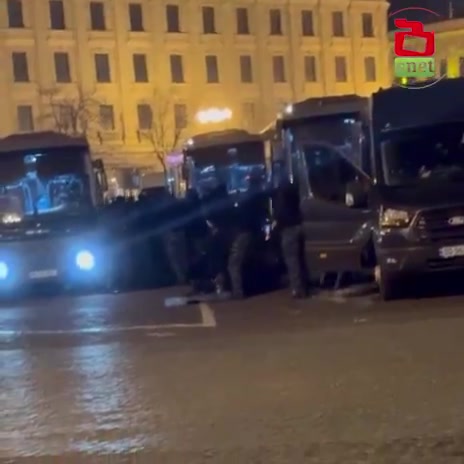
(288, 219)
(250, 216)
(218, 211)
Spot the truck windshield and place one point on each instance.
(46, 182)
(344, 133)
(237, 177)
(424, 154)
(235, 165)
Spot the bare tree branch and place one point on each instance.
(166, 127)
(70, 114)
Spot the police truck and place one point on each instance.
(381, 181)
(50, 194)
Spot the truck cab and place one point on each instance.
(50, 193)
(231, 157)
(419, 189)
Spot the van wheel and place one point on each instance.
(389, 284)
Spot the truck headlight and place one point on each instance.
(4, 270)
(11, 218)
(394, 218)
(85, 260)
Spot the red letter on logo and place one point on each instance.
(416, 30)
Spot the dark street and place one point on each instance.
(266, 380)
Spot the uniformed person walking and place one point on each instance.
(287, 216)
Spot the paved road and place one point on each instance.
(262, 381)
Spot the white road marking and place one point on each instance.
(207, 321)
(207, 315)
(161, 334)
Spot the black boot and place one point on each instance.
(299, 294)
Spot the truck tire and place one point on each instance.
(389, 284)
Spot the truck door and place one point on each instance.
(336, 219)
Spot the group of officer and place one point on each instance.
(209, 239)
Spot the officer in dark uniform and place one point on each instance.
(218, 210)
(175, 239)
(250, 216)
(287, 216)
(239, 247)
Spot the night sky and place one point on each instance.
(439, 6)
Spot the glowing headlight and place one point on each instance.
(4, 271)
(85, 260)
(394, 218)
(11, 218)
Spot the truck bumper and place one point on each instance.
(419, 258)
(58, 261)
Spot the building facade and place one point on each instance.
(134, 74)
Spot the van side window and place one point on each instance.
(329, 174)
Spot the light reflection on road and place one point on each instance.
(83, 399)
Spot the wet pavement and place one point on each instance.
(121, 378)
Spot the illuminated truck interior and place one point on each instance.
(42, 183)
(46, 181)
(230, 158)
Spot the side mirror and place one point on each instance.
(356, 195)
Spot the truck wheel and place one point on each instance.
(389, 284)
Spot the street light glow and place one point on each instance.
(214, 115)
